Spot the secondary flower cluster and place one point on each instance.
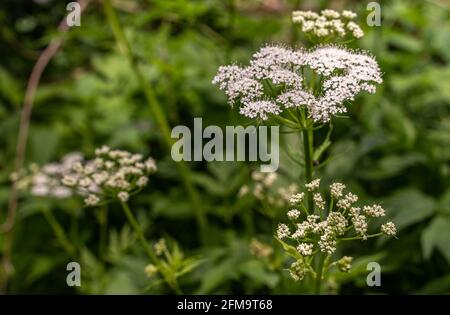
(321, 232)
(273, 81)
(45, 181)
(113, 174)
(266, 189)
(328, 23)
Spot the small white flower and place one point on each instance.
(348, 14)
(318, 201)
(389, 229)
(296, 198)
(85, 182)
(293, 214)
(345, 263)
(374, 211)
(123, 196)
(283, 231)
(305, 249)
(360, 225)
(91, 200)
(150, 165)
(270, 179)
(69, 180)
(314, 185)
(244, 190)
(336, 190)
(142, 181)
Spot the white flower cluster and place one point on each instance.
(45, 181)
(328, 23)
(298, 270)
(344, 74)
(345, 263)
(265, 189)
(345, 220)
(260, 249)
(113, 174)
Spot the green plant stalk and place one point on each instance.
(158, 113)
(319, 274)
(148, 249)
(103, 225)
(59, 232)
(308, 154)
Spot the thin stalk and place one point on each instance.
(148, 249)
(318, 283)
(59, 232)
(359, 237)
(308, 153)
(103, 225)
(158, 113)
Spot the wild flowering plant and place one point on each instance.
(304, 90)
(111, 176)
(319, 233)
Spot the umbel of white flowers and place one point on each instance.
(113, 174)
(344, 74)
(328, 23)
(311, 233)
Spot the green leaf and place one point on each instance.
(255, 270)
(325, 144)
(437, 236)
(409, 206)
(290, 250)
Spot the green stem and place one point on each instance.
(308, 152)
(103, 223)
(148, 249)
(359, 237)
(59, 232)
(158, 113)
(318, 283)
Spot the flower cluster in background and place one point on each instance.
(112, 175)
(321, 232)
(45, 181)
(267, 190)
(328, 23)
(274, 81)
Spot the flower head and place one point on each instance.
(328, 22)
(323, 231)
(389, 229)
(112, 174)
(344, 74)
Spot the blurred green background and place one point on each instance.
(394, 148)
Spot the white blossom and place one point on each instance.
(374, 211)
(345, 74)
(305, 249)
(283, 231)
(91, 200)
(328, 22)
(318, 201)
(389, 229)
(314, 185)
(336, 190)
(142, 181)
(293, 214)
(345, 263)
(296, 198)
(123, 196)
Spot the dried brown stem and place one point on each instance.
(33, 82)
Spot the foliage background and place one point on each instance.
(394, 148)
